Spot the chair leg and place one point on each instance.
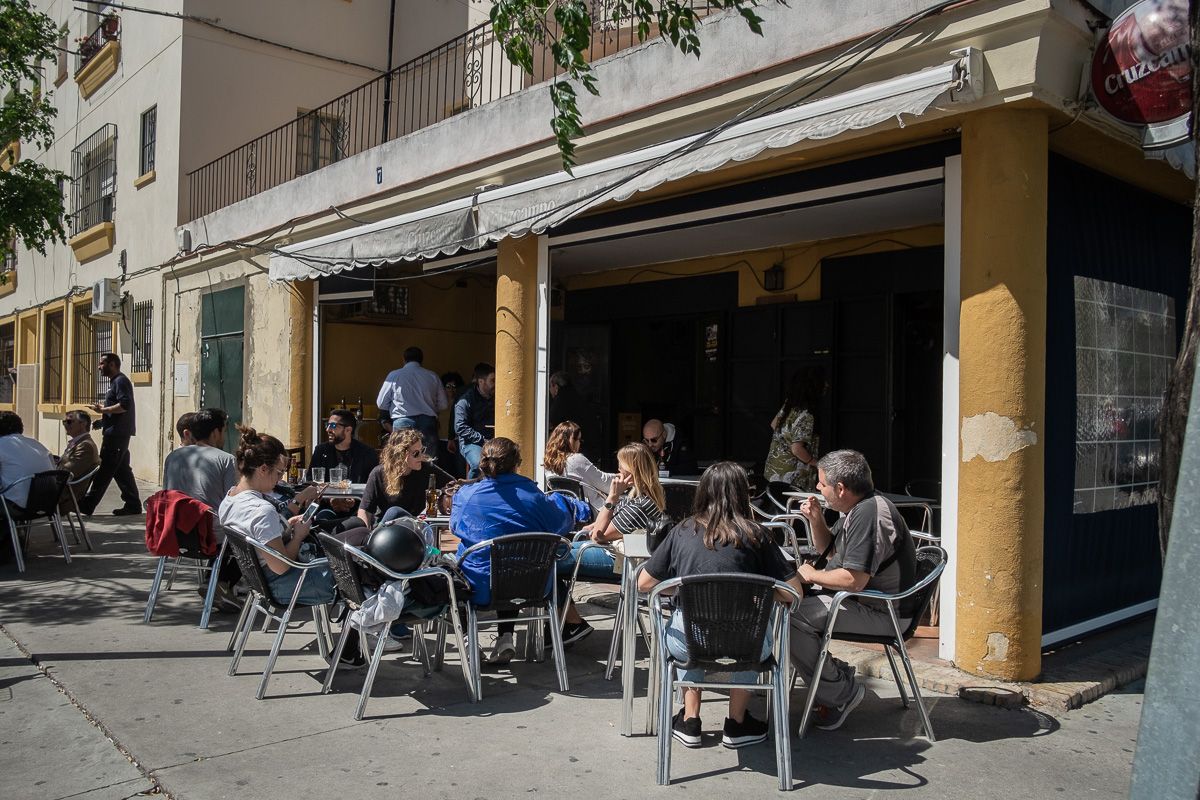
(783, 737)
(275, 647)
(464, 655)
(244, 632)
(319, 624)
(57, 528)
(419, 640)
(538, 631)
(439, 647)
(615, 644)
(380, 643)
(336, 657)
(664, 723)
(815, 681)
(912, 677)
(560, 658)
(241, 621)
(211, 593)
(87, 540)
(18, 552)
(887, 648)
(171, 579)
(473, 634)
(158, 573)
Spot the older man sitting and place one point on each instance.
(80, 456)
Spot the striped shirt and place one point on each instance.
(635, 514)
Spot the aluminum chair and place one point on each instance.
(909, 604)
(726, 619)
(350, 566)
(680, 497)
(260, 601)
(565, 485)
(74, 510)
(189, 550)
(45, 489)
(522, 567)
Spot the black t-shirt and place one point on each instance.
(120, 390)
(411, 498)
(683, 553)
(359, 458)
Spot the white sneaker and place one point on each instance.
(389, 646)
(503, 650)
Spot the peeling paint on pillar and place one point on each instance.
(993, 437)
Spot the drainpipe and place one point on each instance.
(387, 85)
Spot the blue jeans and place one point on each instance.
(471, 453)
(425, 424)
(318, 586)
(677, 647)
(395, 512)
(597, 562)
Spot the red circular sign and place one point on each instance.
(1141, 73)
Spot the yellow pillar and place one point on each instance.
(300, 321)
(1002, 390)
(516, 345)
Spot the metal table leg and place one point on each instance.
(628, 647)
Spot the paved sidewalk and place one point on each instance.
(162, 693)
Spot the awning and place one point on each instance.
(539, 204)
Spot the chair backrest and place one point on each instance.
(931, 561)
(680, 498)
(726, 617)
(523, 565)
(346, 572)
(559, 483)
(45, 489)
(247, 559)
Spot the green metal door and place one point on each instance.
(222, 332)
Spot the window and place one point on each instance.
(319, 141)
(52, 358)
(94, 179)
(149, 134)
(62, 56)
(10, 257)
(1124, 352)
(91, 337)
(143, 336)
(8, 360)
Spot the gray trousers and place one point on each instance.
(808, 627)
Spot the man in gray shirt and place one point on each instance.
(869, 547)
(203, 470)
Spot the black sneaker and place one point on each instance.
(740, 734)
(127, 511)
(352, 656)
(573, 632)
(686, 731)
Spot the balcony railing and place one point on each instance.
(461, 74)
(109, 30)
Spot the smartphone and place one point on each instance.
(310, 512)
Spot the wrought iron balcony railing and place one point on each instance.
(109, 30)
(468, 71)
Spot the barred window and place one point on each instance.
(149, 136)
(91, 337)
(319, 141)
(143, 336)
(94, 177)
(10, 256)
(8, 360)
(52, 358)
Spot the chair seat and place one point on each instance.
(712, 666)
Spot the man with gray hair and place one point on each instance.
(869, 547)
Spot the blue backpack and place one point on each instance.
(579, 510)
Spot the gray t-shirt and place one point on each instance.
(868, 536)
(199, 471)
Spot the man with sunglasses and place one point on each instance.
(80, 456)
(674, 456)
(341, 449)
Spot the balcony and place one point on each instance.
(466, 72)
(98, 55)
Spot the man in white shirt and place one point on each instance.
(20, 457)
(411, 397)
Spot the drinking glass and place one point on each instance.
(337, 475)
(317, 474)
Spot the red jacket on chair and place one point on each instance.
(170, 511)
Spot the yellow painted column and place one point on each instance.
(516, 345)
(300, 321)
(1002, 390)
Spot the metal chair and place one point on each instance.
(726, 619)
(348, 563)
(565, 485)
(45, 489)
(909, 604)
(83, 480)
(260, 601)
(189, 549)
(680, 497)
(522, 579)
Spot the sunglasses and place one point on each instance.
(331, 425)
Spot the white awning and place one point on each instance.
(539, 204)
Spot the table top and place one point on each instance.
(355, 490)
(897, 499)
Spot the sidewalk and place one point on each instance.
(161, 693)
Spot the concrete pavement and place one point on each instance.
(161, 692)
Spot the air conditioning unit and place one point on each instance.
(106, 299)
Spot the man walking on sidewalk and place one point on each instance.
(118, 425)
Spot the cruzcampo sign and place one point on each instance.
(1141, 72)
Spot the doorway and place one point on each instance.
(222, 349)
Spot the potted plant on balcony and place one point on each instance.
(87, 47)
(109, 26)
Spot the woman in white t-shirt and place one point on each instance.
(563, 459)
(262, 462)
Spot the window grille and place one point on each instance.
(8, 360)
(319, 141)
(52, 358)
(149, 137)
(94, 178)
(143, 336)
(91, 337)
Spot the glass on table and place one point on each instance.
(317, 474)
(337, 475)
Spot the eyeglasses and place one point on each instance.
(416, 453)
(331, 425)
(650, 439)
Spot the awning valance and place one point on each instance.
(539, 204)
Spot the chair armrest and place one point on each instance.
(934, 574)
(83, 478)
(17, 482)
(316, 562)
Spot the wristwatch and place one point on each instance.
(609, 505)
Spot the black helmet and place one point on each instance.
(399, 545)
